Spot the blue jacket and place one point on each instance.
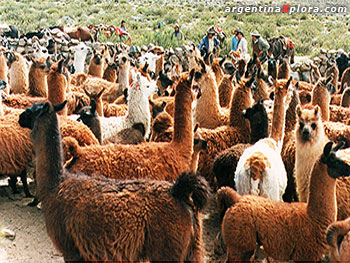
(234, 43)
(205, 42)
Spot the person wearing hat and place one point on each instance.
(209, 43)
(234, 41)
(124, 32)
(260, 46)
(177, 34)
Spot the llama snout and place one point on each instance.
(306, 134)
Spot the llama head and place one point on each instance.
(40, 51)
(98, 56)
(141, 87)
(156, 108)
(81, 50)
(123, 61)
(11, 57)
(149, 58)
(336, 167)
(198, 143)
(282, 88)
(256, 115)
(309, 125)
(38, 110)
(40, 64)
(88, 113)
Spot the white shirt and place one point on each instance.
(211, 44)
(243, 47)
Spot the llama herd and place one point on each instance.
(129, 149)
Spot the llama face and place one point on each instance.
(256, 114)
(309, 128)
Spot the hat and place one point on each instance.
(239, 32)
(211, 31)
(255, 33)
(177, 25)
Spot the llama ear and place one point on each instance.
(261, 101)
(125, 93)
(196, 127)
(163, 104)
(297, 85)
(222, 61)
(106, 60)
(298, 110)
(211, 59)
(191, 75)
(288, 82)
(87, 93)
(60, 66)
(59, 107)
(151, 102)
(100, 93)
(308, 97)
(48, 62)
(317, 111)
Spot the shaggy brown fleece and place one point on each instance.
(226, 89)
(116, 110)
(18, 74)
(293, 231)
(163, 161)
(162, 128)
(339, 114)
(338, 238)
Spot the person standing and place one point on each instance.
(209, 43)
(124, 32)
(234, 41)
(177, 34)
(260, 46)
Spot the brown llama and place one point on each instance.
(4, 69)
(97, 97)
(223, 137)
(138, 161)
(321, 96)
(110, 73)
(345, 80)
(284, 69)
(57, 85)
(97, 63)
(80, 210)
(38, 78)
(287, 231)
(208, 112)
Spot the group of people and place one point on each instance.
(239, 45)
(209, 43)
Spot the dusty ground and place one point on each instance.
(32, 244)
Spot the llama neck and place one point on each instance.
(291, 119)
(48, 154)
(183, 130)
(241, 100)
(322, 197)
(208, 103)
(159, 64)
(194, 161)
(99, 107)
(56, 87)
(278, 118)
(321, 97)
(123, 77)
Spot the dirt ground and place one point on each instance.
(33, 245)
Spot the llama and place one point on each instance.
(221, 138)
(283, 69)
(110, 73)
(97, 63)
(38, 78)
(345, 80)
(338, 238)
(260, 170)
(138, 161)
(74, 236)
(226, 162)
(294, 231)
(18, 73)
(138, 109)
(57, 85)
(208, 112)
(4, 69)
(80, 53)
(345, 99)
(310, 140)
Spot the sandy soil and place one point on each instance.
(32, 244)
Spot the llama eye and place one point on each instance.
(313, 126)
(301, 125)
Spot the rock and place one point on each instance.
(7, 233)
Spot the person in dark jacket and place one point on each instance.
(209, 43)
(260, 46)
